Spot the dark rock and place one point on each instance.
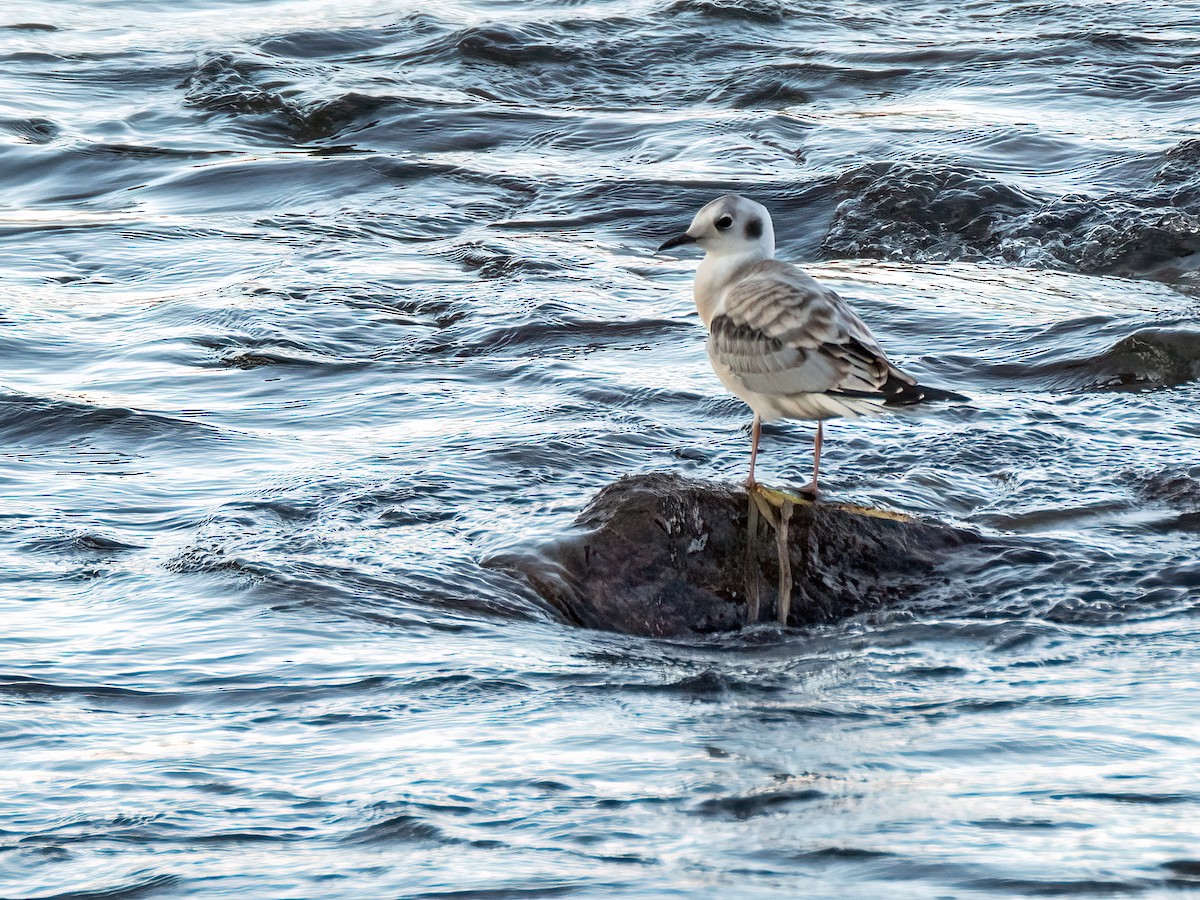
(662, 555)
(1172, 487)
(901, 210)
(912, 212)
(1179, 174)
(1147, 359)
(1152, 357)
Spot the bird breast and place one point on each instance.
(713, 275)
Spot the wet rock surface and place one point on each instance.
(663, 555)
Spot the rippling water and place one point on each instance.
(311, 306)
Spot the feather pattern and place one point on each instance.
(777, 333)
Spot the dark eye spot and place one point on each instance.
(724, 222)
(754, 229)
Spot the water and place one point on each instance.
(311, 306)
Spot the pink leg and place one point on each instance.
(755, 433)
(811, 489)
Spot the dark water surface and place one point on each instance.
(310, 306)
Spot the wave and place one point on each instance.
(41, 420)
(139, 887)
(224, 83)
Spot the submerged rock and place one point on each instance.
(664, 555)
(1147, 359)
(923, 212)
(1152, 357)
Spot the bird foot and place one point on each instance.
(775, 497)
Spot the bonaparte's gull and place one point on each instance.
(788, 346)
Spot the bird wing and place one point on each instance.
(782, 333)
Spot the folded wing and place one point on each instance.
(783, 334)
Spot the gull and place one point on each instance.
(785, 344)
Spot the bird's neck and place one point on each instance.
(714, 273)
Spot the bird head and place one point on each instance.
(730, 226)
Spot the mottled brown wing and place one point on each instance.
(784, 334)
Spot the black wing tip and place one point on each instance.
(898, 392)
(920, 393)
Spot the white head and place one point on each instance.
(730, 226)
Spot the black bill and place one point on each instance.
(677, 241)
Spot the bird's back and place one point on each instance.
(785, 301)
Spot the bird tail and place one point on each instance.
(920, 393)
(900, 390)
